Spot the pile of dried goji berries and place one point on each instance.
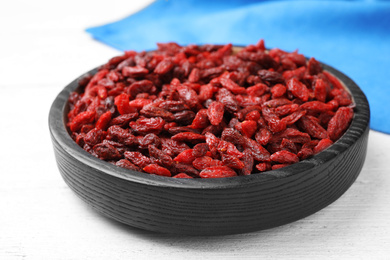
(208, 111)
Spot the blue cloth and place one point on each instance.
(352, 36)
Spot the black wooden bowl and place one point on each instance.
(213, 206)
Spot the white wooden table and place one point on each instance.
(44, 47)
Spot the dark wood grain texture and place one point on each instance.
(213, 206)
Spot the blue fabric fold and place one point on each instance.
(352, 36)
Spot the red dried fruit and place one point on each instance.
(288, 145)
(263, 136)
(123, 136)
(339, 122)
(122, 103)
(173, 106)
(305, 153)
(213, 143)
(259, 153)
(187, 95)
(313, 67)
(312, 127)
(271, 76)
(333, 80)
(322, 145)
(321, 90)
(142, 86)
(298, 89)
(217, 172)
(200, 150)
(257, 90)
(189, 137)
(104, 120)
(164, 67)
(182, 176)
(284, 156)
(136, 71)
(211, 109)
(228, 99)
(243, 112)
(157, 170)
(81, 119)
(263, 166)
(162, 157)
(94, 137)
(233, 136)
(215, 112)
(207, 92)
(254, 115)
(151, 111)
(185, 117)
(172, 147)
(316, 106)
(148, 125)
(231, 86)
(248, 162)
(201, 120)
(205, 162)
(127, 164)
(149, 139)
(294, 117)
(273, 121)
(286, 109)
(185, 157)
(106, 152)
(123, 120)
(248, 128)
(293, 135)
(278, 90)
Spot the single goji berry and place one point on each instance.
(339, 122)
(215, 112)
(122, 103)
(217, 172)
(182, 175)
(157, 170)
(185, 157)
(298, 89)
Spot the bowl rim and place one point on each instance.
(61, 136)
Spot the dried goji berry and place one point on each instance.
(136, 71)
(312, 127)
(212, 109)
(200, 149)
(95, 136)
(217, 172)
(122, 103)
(339, 122)
(148, 125)
(322, 145)
(298, 89)
(104, 120)
(127, 164)
(157, 170)
(185, 157)
(248, 128)
(215, 112)
(81, 119)
(189, 137)
(284, 156)
(205, 162)
(182, 176)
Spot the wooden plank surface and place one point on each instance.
(43, 48)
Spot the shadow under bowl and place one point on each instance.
(212, 206)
